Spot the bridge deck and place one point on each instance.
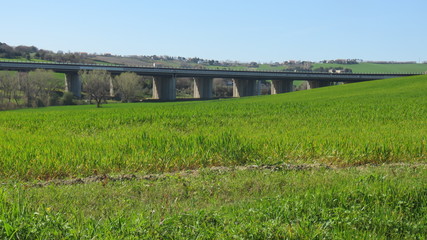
(182, 72)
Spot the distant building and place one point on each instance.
(159, 65)
(336, 71)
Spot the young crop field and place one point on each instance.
(387, 202)
(335, 162)
(373, 122)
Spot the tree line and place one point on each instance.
(32, 52)
(42, 88)
(33, 89)
(99, 85)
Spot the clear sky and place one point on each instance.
(263, 31)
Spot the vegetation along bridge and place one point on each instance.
(164, 79)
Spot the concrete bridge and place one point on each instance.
(164, 79)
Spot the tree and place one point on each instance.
(253, 65)
(9, 86)
(127, 85)
(39, 87)
(97, 84)
(6, 51)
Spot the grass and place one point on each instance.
(262, 67)
(372, 122)
(59, 77)
(378, 68)
(105, 63)
(357, 68)
(388, 202)
(22, 60)
(381, 123)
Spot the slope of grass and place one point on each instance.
(59, 78)
(378, 68)
(357, 68)
(261, 67)
(373, 122)
(22, 60)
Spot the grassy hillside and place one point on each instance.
(22, 60)
(293, 198)
(378, 68)
(372, 122)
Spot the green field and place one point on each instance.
(262, 67)
(357, 68)
(378, 68)
(388, 202)
(59, 77)
(345, 161)
(373, 122)
(22, 60)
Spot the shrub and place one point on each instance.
(68, 98)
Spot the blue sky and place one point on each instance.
(263, 31)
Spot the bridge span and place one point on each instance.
(164, 79)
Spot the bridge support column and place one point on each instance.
(111, 87)
(318, 84)
(73, 84)
(281, 86)
(258, 88)
(203, 88)
(244, 87)
(164, 88)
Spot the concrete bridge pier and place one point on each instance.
(244, 87)
(281, 86)
(73, 84)
(164, 88)
(112, 77)
(318, 84)
(258, 87)
(203, 88)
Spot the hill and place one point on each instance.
(32, 53)
(338, 162)
(377, 68)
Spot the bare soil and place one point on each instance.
(104, 179)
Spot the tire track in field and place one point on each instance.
(105, 179)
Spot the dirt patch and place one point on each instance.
(104, 179)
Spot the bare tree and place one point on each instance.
(38, 87)
(127, 85)
(97, 84)
(9, 84)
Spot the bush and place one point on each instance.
(68, 98)
(54, 99)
